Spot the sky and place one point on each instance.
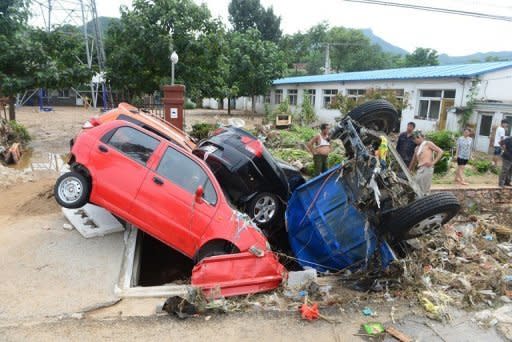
(447, 33)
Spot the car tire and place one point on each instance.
(264, 209)
(422, 216)
(72, 190)
(379, 115)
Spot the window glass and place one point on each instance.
(431, 93)
(135, 144)
(423, 108)
(449, 94)
(435, 107)
(292, 96)
(329, 96)
(184, 172)
(508, 117)
(278, 96)
(485, 125)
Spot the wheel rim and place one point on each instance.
(264, 209)
(428, 225)
(70, 190)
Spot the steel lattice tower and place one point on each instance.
(81, 13)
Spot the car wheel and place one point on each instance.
(379, 115)
(422, 216)
(264, 208)
(72, 190)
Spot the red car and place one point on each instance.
(159, 187)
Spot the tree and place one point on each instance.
(139, 45)
(249, 14)
(17, 61)
(421, 57)
(254, 64)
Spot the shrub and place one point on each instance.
(334, 159)
(201, 131)
(189, 104)
(307, 113)
(17, 133)
(443, 164)
(444, 139)
(481, 165)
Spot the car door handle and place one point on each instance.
(158, 181)
(102, 148)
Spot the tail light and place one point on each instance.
(253, 145)
(92, 122)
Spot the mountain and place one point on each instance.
(476, 57)
(386, 47)
(104, 23)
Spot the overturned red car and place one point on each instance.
(164, 190)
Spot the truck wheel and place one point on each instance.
(72, 190)
(379, 115)
(422, 216)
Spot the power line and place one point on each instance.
(434, 9)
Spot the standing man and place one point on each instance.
(500, 135)
(426, 155)
(406, 145)
(320, 147)
(506, 166)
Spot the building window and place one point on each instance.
(292, 96)
(355, 93)
(329, 96)
(430, 103)
(485, 125)
(278, 96)
(63, 93)
(310, 93)
(267, 98)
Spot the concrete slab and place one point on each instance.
(48, 271)
(93, 221)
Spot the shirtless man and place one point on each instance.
(320, 147)
(424, 158)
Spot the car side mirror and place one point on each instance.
(199, 194)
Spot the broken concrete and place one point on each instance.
(93, 221)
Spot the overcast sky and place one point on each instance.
(447, 33)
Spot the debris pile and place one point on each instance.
(12, 137)
(466, 264)
(10, 176)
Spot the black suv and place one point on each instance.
(252, 179)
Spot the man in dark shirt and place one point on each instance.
(506, 167)
(406, 145)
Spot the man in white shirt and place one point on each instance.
(500, 135)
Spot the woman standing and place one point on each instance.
(320, 147)
(463, 154)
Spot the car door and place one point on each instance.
(167, 201)
(118, 165)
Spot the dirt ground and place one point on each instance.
(27, 206)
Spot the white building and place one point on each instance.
(436, 95)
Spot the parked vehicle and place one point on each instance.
(252, 179)
(127, 112)
(159, 187)
(349, 216)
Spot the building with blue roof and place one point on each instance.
(436, 95)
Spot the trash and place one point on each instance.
(236, 122)
(504, 314)
(180, 307)
(237, 274)
(368, 312)
(398, 334)
(489, 237)
(373, 328)
(485, 318)
(430, 307)
(299, 279)
(308, 312)
(67, 226)
(507, 286)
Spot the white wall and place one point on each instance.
(496, 86)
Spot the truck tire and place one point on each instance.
(422, 216)
(379, 115)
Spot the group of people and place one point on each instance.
(421, 155)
